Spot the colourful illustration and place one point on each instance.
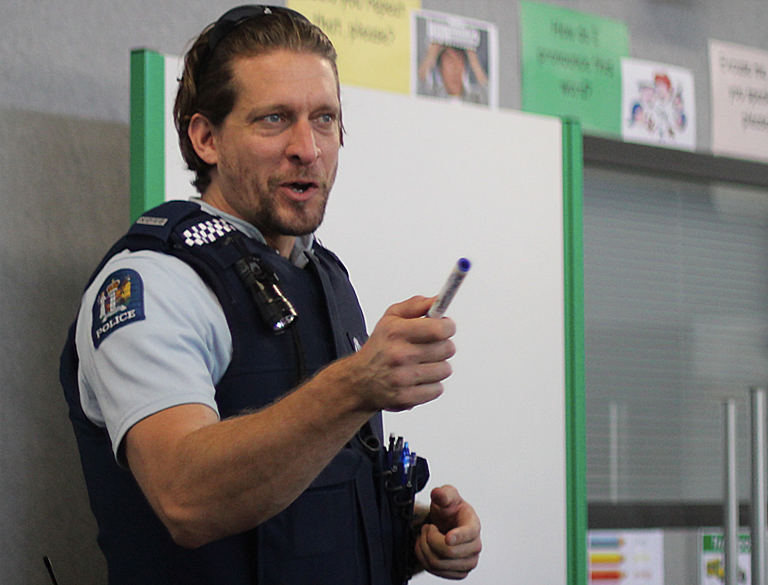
(115, 297)
(120, 301)
(658, 104)
(659, 108)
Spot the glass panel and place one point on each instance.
(676, 316)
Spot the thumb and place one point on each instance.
(412, 308)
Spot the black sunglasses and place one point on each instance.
(237, 16)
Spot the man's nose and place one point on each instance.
(302, 146)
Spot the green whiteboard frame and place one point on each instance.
(147, 131)
(575, 380)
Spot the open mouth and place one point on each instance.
(300, 187)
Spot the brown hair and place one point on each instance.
(206, 83)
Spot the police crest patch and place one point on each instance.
(120, 301)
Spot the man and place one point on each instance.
(259, 454)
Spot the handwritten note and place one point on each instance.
(571, 65)
(372, 38)
(739, 78)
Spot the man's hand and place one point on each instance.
(404, 361)
(449, 545)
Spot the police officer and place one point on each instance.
(221, 444)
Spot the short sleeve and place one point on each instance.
(150, 335)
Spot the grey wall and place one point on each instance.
(64, 109)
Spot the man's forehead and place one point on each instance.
(282, 63)
(284, 79)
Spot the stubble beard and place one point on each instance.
(257, 201)
(275, 215)
(291, 218)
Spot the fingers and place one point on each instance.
(449, 562)
(403, 321)
(412, 308)
(406, 352)
(450, 546)
(445, 496)
(410, 398)
(450, 512)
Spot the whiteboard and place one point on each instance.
(422, 183)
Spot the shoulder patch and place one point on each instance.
(120, 301)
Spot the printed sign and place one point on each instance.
(454, 58)
(739, 77)
(372, 38)
(658, 104)
(713, 563)
(571, 65)
(626, 557)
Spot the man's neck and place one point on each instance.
(281, 244)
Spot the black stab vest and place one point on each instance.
(338, 531)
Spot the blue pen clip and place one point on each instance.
(411, 471)
(405, 462)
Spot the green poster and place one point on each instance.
(571, 65)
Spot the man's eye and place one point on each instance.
(273, 118)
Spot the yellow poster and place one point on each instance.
(372, 38)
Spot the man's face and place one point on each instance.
(276, 153)
(452, 71)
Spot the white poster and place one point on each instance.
(626, 557)
(658, 104)
(739, 77)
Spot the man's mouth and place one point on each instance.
(300, 190)
(300, 187)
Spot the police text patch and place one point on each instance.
(120, 301)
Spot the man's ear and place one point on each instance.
(200, 133)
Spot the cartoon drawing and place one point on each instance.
(659, 108)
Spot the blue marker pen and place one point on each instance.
(449, 289)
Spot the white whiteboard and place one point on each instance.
(420, 184)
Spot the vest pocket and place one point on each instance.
(317, 539)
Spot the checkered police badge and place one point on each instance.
(206, 232)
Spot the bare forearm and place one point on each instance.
(477, 68)
(227, 477)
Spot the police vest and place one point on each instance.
(339, 530)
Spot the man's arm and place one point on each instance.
(207, 479)
(477, 68)
(429, 61)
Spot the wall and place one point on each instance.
(64, 193)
